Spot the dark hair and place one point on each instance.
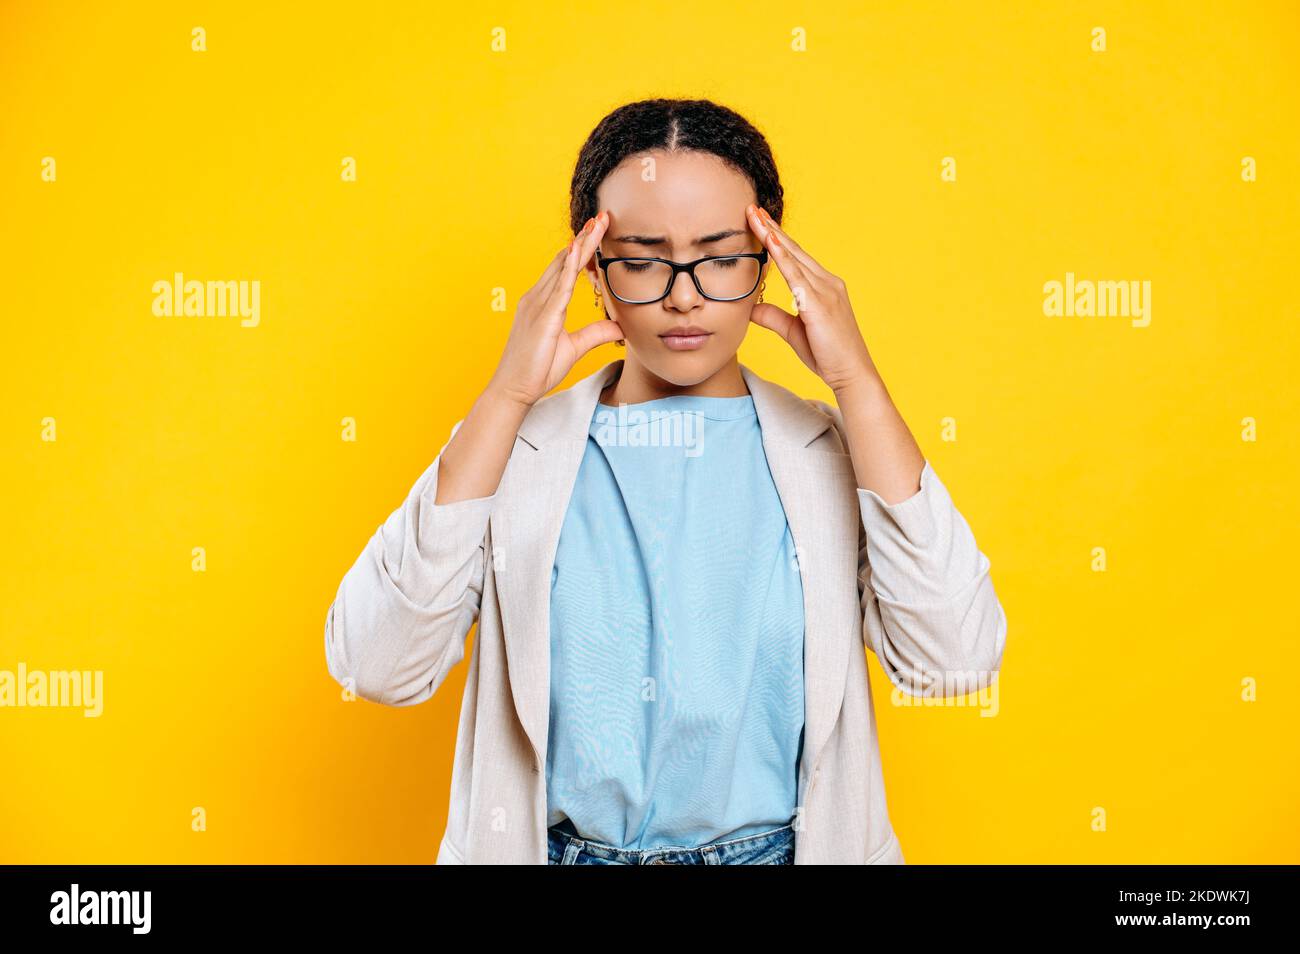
(698, 125)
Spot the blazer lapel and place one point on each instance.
(816, 491)
(525, 530)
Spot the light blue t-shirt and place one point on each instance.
(677, 632)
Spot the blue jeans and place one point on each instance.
(775, 847)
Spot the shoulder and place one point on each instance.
(803, 421)
(830, 410)
(836, 418)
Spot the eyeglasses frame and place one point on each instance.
(688, 267)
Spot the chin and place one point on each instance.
(684, 368)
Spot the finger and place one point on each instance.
(542, 287)
(584, 244)
(788, 326)
(546, 285)
(595, 232)
(599, 332)
(819, 280)
(556, 294)
(791, 269)
(810, 263)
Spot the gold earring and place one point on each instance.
(760, 289)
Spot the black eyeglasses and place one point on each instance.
(643, 281)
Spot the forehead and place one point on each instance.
(675, 192)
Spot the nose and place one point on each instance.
(683, 295)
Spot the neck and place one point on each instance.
(636, 383)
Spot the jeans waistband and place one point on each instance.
(774, 846)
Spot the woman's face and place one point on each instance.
(679, 206)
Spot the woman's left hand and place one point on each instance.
(824, 334)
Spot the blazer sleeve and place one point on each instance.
(399, 620)
(929, 610)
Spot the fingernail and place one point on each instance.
(775, 241)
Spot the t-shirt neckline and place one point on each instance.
(711, 408)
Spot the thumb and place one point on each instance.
(770, 316)
(596, 333)
(788, 326)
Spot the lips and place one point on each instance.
(686, 338)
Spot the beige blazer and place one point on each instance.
(906, 581)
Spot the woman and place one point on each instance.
(676, 565)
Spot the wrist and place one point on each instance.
(866, 382)
(501, 397)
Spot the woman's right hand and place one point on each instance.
(539, 352)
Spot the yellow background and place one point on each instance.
(1119, 690)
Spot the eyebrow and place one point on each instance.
(660, 240)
